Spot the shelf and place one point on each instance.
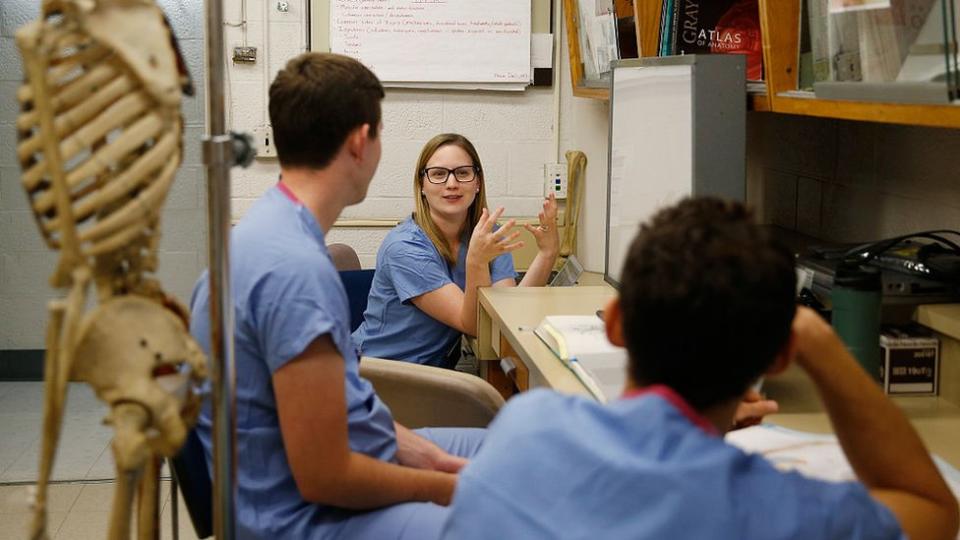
(946, 116)
(758, 103)
(571, 20)
(944, 318)
(780, 26)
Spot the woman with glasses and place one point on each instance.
(424, 291)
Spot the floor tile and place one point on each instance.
(19, 434)
(16, 526)
(185, 525)
(60, 498)
(103, 468)
(83, 452)
(5, 387)
(84, 526)
(94, 498)
(82, 441)
(22, 397)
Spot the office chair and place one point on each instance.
(189, 471)
(357, 284)
(427, 396)
(344, 257)
(418, 396)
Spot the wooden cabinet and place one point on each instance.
(780, 25)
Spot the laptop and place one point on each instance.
(568, 274)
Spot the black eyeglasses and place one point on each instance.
(439, 175)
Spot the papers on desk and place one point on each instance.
(812, 454)
(580, 342)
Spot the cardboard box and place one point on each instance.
(910, 363)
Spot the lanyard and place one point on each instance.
(673, 398)
(286, 191)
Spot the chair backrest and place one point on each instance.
(344, 257)
(427, 396)
(193, 476)
(357, 283)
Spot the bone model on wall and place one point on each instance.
(99, 142)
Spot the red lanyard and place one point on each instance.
(677, 401)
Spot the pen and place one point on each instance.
(587, 380)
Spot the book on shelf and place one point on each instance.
(715, 27)
(667, 27)
(580, 342)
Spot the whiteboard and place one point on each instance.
(438, 41)
(651, 147)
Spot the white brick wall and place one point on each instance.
(25, 262)
(512, 132)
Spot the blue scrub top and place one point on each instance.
(286, 293)
(409, 265)
(555, 466)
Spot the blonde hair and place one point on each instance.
(421, 214)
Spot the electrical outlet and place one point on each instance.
(555, 180)
(244, 55)
(263, 136)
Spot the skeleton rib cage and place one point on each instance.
(101, 151)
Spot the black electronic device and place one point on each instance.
(912, 272)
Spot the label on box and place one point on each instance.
(910, 370)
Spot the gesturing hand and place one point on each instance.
(547, 234)
(486, 244)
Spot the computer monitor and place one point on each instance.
(677, 128)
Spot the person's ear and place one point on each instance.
(357, 142)
(786, 355)
(613, 321)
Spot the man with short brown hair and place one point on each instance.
(319, 454)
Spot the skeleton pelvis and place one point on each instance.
(132, 349)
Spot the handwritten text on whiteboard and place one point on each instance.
(435, 40)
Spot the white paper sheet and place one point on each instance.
(541, 51)
(812, 454)
(438, 41)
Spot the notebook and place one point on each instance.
(580, 342)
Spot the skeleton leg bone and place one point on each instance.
(131, 454)
(148, 504)
(52, 415)
(61, 337)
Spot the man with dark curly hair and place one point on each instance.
(706, 308)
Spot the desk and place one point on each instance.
(505, 323)
(507, 317)
(935, 419)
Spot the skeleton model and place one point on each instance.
(99, 143)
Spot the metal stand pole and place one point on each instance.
(218, 158)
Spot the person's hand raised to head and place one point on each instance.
(486, 243)
(547, 234)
